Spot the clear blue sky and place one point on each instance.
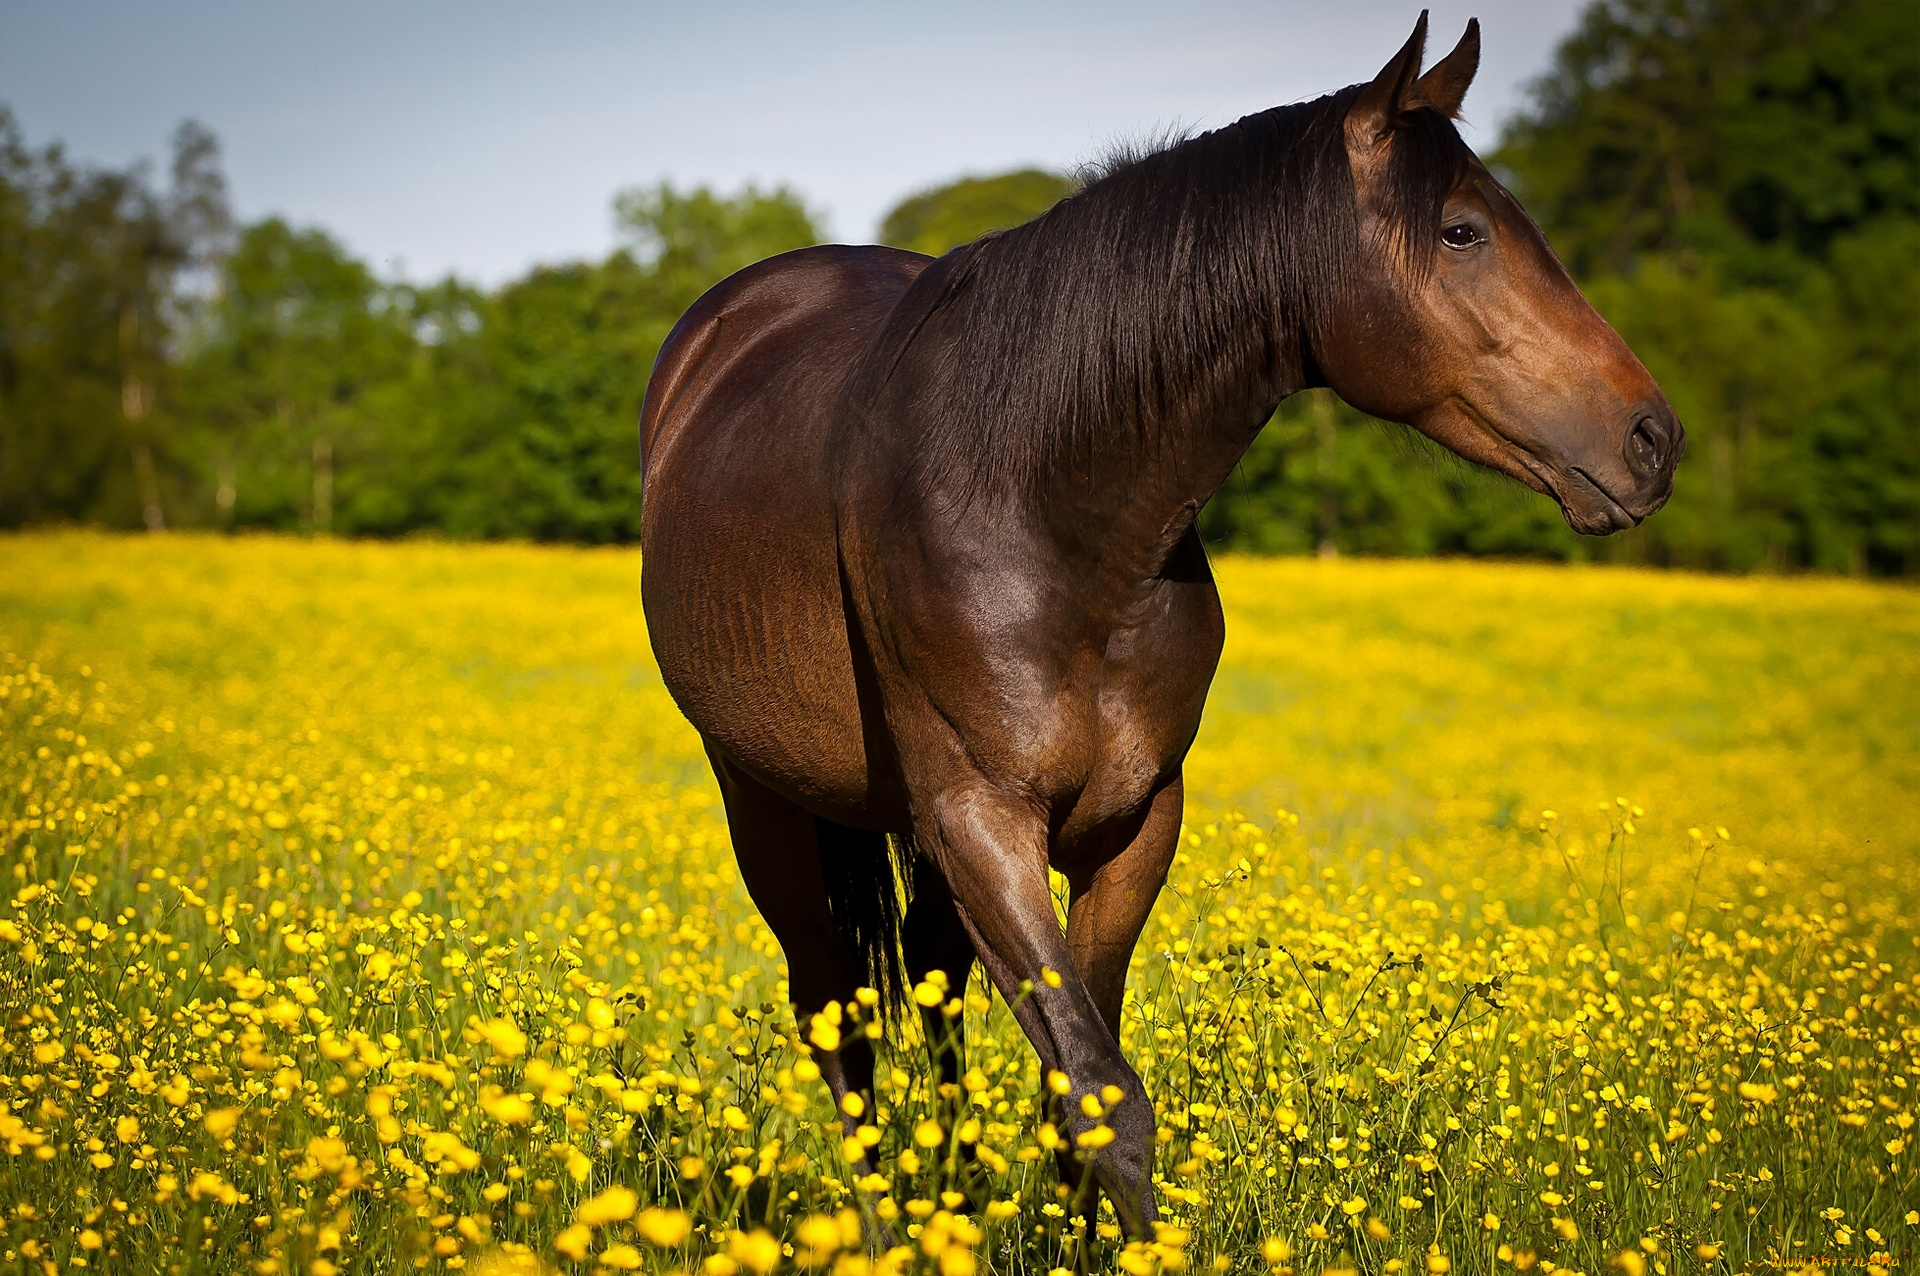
(480, 137)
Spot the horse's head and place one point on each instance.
(1458, 319)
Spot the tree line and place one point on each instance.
(1736, 186)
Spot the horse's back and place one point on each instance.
(740, 575)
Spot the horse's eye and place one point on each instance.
(1460, 236)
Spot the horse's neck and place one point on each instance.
(1160, 364)
(1123, 518)
(1125, 502)
(1135, 489)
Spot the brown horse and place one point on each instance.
(919, 552)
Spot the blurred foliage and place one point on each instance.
(275, 382)
(97, 269)
(1737, 187)
(934, 221)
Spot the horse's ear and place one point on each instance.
(1381, 103)
(1444, 86)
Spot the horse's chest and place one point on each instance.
(1144, 712)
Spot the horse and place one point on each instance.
(918, 544)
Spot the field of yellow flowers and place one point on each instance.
(368, 908)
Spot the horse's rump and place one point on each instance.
(742, 581)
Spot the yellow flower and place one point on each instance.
(220, 1122)
(508, 1109)
(613, 1205)
(819, 1233)
(574, 1242)
(504, 1037)
(757, 1251)
(663, 1227)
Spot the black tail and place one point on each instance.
(868, 878)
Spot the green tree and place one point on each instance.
(554, 453)
(1753, 133)
(90, 263)
(279, 378)
(944, 217)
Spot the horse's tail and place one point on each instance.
(868, 878)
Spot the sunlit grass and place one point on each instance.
(369, 908)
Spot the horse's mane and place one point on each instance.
(1171, 273)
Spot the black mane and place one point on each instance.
(1172, 278)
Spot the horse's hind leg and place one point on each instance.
(933, 938)
(778, 847)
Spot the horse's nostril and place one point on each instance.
(1647, 444)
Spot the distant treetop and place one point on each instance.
(934, 221)
(1754, 133)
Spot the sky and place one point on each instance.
(481, 138)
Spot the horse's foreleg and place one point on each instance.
(993, 851)
(777, 845)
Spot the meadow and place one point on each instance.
(368, 908)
